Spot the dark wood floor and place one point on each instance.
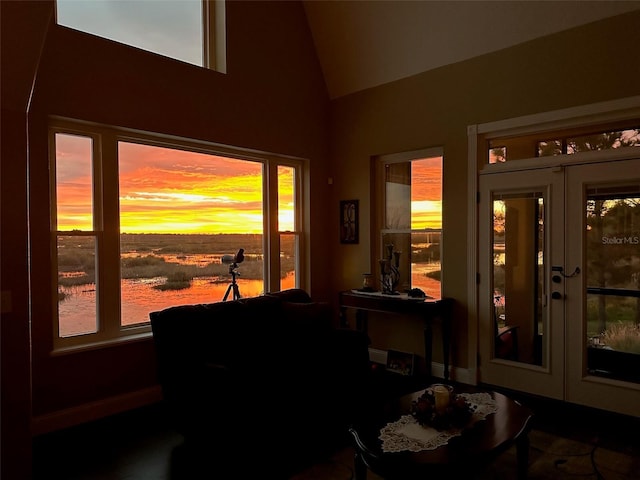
(140, 445)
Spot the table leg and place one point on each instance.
(522, 456)
(344, 322)
(445, 321)
(446, 340)
(359, 468)
(428, 345)
(362, 321)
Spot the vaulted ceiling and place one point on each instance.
(366, 43)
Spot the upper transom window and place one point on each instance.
(188, 30)
(564, 142)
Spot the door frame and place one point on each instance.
(477, 155)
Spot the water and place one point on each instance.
(139, 298)
(428, 285)
(77, 313)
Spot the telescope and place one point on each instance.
(233, 259)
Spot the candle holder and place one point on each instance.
(390, 271)
(441, 408)
(367, 282)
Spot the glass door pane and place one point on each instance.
(518, 276)
(612, 239)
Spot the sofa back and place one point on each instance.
(225, 332)
(276, 358)
(245, 336)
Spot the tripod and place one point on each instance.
(233, 270)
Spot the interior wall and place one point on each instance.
(588, 64)
(24, 24)
(273, 98)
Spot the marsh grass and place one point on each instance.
(145, 259)
(76, 280)
(624, 337)
(435, 274)
(176, 281)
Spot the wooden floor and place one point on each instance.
(140, 445)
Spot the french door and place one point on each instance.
(559, 264)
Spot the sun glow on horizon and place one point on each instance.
(169, 190)
(426, 193)
(165, 190)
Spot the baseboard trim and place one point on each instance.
(464, 375)
(460, 375)
(456, 374)
(88, 412)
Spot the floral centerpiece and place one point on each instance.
(441, 408)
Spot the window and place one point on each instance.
(585, 143)
(287, 220)
(410, 218)
(565, 142)
(140, 224)
(188, 30)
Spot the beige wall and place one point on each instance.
(588, 64)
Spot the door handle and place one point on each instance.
(556, 295)
(560, 269)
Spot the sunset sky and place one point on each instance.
(172, 191)
(169, 27)
(426, 193)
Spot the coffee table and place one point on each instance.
(464, 455)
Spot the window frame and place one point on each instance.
(106, 222)
(215, 35)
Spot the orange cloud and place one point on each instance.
(426, 193)
(168, 190)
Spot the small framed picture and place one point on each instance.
(400, 362)
(349, 228)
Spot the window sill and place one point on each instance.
(100, 344)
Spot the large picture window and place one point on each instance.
(140, 225)
(410, 218)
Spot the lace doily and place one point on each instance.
(408, 434)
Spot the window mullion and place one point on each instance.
(109, 235)
(53, 222)
(214, 35)
(298, 227)
(272, 235)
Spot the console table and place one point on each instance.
(430, 310)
